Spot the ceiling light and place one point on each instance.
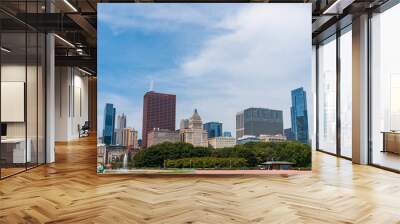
(84, 71)
(70, 5)
(5, 50)
(65, 41)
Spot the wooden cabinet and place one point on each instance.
(391, 142)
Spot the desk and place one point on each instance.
(391, 142)
(13, 150)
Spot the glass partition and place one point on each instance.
(13, 108)
(22, 78)
(327, 95)
(41, 96)
(31, 97)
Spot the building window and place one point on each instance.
(346, 93)
(327, 95)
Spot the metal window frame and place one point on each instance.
(337, 35)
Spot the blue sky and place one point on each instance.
(218, 58)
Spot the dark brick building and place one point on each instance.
(159, 111)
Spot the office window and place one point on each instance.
(346, 93)
(385, 89)
(327, 96)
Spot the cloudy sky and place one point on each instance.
(218, 58)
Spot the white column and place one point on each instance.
(360, 90)
(50, 98)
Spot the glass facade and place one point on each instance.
(214, 129)
(109, 124)
(299, 116)
(22, 87)
(385, 89)
(327, 95)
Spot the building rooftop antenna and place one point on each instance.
(151, 85)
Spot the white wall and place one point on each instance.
(33, 126)
(71, 103)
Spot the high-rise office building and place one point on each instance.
(259, 121)
(299, 117)
(289, 134)
(109, 124)
(214, 129)
(158, 112)
(227, 134)
(121, 125)
(129, 138)
(194, 133)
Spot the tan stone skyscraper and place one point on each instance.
(129, 138)
(194, 132)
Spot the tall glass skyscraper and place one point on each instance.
(214, 129)
(109, 124)
(299, 117)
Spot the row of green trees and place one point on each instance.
(206, 162)
(253, 153)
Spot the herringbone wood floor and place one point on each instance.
(69, 191)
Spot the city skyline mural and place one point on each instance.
(211, 79)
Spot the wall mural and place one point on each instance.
(204, 88)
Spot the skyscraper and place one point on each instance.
(227, 134)
(129, 138)
(158, 112)
(289, 134)
(109, 124)
(259, 121)
(121, 125)
(299, 117)
(214, 129)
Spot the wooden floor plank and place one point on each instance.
(70, 191)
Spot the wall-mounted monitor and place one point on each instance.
(12, 101)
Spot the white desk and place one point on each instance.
(18, 151)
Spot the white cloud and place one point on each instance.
(159, 17)
(256, 64)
